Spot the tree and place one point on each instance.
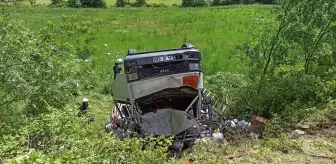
(121, 3)
(295, 49)
(36, 69)
(139, 3)
(221, 2)
(312, 28)
(195, 3)
(93, 3)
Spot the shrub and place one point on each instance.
(74, 3)
(61, 136)
(229, 87)
(139, 3)
(156, 5)
(267, 1)
(242, 1)
(93, 3)
(221, 2)
(195, 3)
(122, 3)
(32, 2)
(58, 3)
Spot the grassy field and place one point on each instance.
(215, 31)
(112, 2)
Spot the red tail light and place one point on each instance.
(190, 81)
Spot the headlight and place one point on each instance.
(193, 66)
(132, 76)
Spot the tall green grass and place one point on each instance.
(112, 2)
(214, 31)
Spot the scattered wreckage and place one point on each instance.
(161, 93)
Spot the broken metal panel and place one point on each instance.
(166, 122)
(120, 89)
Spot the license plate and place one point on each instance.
(163, 58)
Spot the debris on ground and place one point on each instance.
(258, 125)
(299, 132)
(218, 137)
(303, 125)
(240, 154)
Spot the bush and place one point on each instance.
(229, 87)
(122, 3)
(156, 5)
(195, 3)
(58, 3)
(242, 1)
(32, 2)
(74, 3)
(93, 3)
(221, 2)
(139, 3)
(267, 1)
(62, 136)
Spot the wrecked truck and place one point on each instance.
(161, 93)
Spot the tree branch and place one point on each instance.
(274, 40)
(317, 41)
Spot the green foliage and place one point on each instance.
(32, 2)
(312, 29)
(195, 3)
(229, 87)
(326, 114)
(136, 3)
(37, 68)
(35, 73)
(266, 1)
(52, 132)
(221, 2)
(283, 85)
(40, 67)
(282, 143)
(173, 30)
(274, 127)
(139, 3)
(93, 3)
(74, 3)
(79, 3)
(58, 3)
(122, 3)
(60, 136)
(161, 5)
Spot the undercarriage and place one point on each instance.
(171, 112)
